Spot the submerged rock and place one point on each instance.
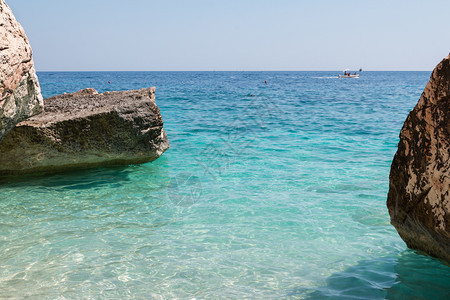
(419, 190)
(20, 94)
(86, 129)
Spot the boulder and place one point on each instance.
(20, 94)
(419, 182)
(86, 129)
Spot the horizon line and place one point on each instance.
(61, 71)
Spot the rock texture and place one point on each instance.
(419, 190)
(20, 94)
(86, 129)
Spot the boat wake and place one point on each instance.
(325, 77)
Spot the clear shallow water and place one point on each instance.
(279, 195)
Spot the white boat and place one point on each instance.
(348, 74)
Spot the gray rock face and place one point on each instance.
(20, 94)
(419, 190)
(86, 129)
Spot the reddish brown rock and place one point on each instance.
(419, 189)
(20, 94)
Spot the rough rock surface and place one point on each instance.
(419, 190)
(86, 129)
(20, 94)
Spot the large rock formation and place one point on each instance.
(20, 94)
(419, 190)
(86, 129)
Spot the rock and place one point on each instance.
(419, 189)
(19, 87)
(86, 129)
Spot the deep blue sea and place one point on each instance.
(268, 191)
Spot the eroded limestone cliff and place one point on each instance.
(20, 94)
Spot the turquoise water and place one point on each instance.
(276, 195)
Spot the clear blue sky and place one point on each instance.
(235, 35)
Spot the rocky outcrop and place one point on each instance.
(86, 129)
(20, 94)
(419, 190)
